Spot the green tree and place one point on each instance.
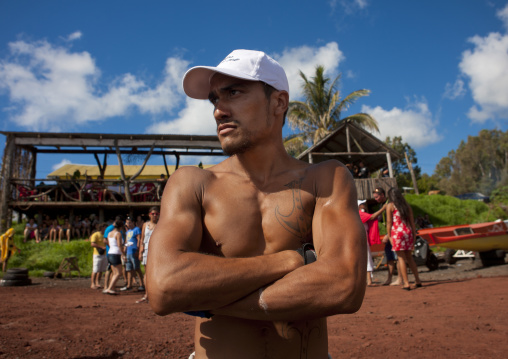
(400, 168)
(320, 113)
(478, 165)
(294, 145)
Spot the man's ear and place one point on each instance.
(280, 100)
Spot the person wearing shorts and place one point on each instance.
(116, 251)
(100, 260)
(132, 263)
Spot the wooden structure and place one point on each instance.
(79, 195)
(351, 144)
(18, 190)
(68, 265)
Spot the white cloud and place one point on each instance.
(53, 88)
(196, 118)
(61, 164)
(349, 6)
(486, 66)
(414, 123)
(305, 59)
(455, 91)
(197, 115)
(503, 15)
(74, 36)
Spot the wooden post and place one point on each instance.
(413, 177)
(177, 161)
(126, 182)
(389, 162)
(7, 168)
(347, 139)
(165, 164)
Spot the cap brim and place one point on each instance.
(196, 81)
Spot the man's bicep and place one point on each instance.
(179, 228)
(337, 227)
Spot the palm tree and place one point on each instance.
(320, 114)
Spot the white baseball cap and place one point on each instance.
(361, 201)
(243, 64)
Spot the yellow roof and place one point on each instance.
(113, 171)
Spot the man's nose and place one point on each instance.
(221, 111)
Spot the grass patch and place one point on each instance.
(41, 257)
(447, 210)
(442, 210)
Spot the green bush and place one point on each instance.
(447, 210)
(41, 257)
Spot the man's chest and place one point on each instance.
(241, 220)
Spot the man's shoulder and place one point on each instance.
(329, 168)
(96, 236)
(191, 175)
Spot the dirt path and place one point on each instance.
(460, 312)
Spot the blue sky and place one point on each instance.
(437, 70)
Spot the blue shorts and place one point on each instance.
(132, 263)
(389, 254)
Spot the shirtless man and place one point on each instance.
(225, 245)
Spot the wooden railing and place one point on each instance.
(85, 191)
(140, 191)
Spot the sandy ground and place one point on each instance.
(460, 312)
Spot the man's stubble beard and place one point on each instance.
(237, 148)
(244, 144)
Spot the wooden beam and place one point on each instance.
(139, 152)
(129, 143)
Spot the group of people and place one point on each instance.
(261, 247)
(61, 227)
(51, 229)
(119, 249)
(399, 240)
(358, 171)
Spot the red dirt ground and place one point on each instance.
(460, 312)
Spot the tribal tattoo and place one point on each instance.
(297, 222)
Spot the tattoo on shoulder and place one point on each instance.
(298, 222)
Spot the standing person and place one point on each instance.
(371, 227)
(115, 254)
(132, 262)
(31, 231)
(401, 232)
(146, 233)
(380, 197)
(139, 222)
(225, 247)
(110, 227)
(7, 247)
(100, 260)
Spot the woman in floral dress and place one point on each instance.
(401, 230)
